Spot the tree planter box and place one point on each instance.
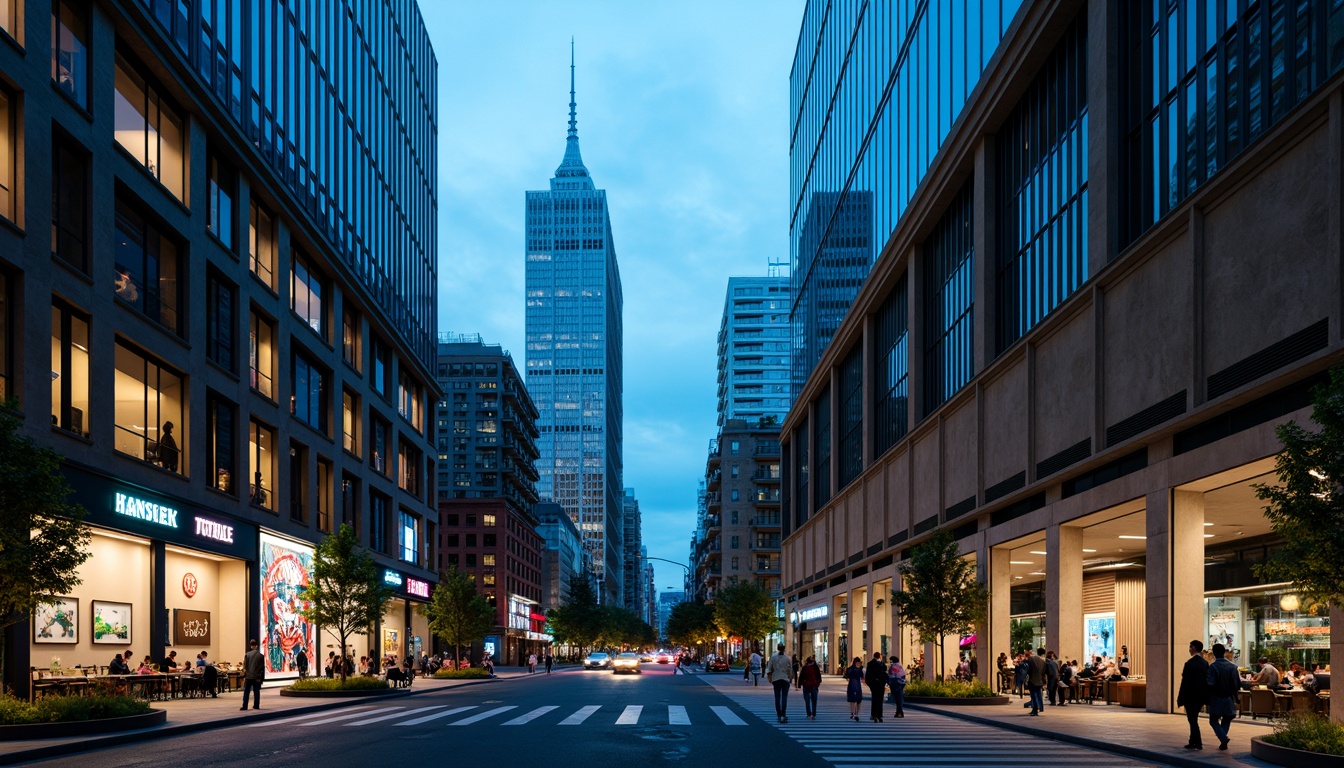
(978, 701)
(82, 727)
(342, 694)
(1293, 758)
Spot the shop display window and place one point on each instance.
(261, 244)
(261, 355)
(149, 415)
(69, 369)
(221, 415)
(1275, 622)
(70, 51)
(149, 268)
(148, 128)
(261, 458)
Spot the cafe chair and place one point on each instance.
(42, 687)
(1262, 703)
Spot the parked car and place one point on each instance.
(716, 664)
(625, 662)
(597, 660)
(666, 657)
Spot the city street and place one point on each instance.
(587, 718)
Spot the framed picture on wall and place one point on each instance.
(111, 622)
(57, 621)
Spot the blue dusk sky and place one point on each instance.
(683, 120)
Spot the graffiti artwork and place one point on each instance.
(286, 568)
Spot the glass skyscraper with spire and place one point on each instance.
(574, 354)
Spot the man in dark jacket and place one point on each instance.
(875, 677)
(1052, 678)
(254, 671)
(1036, 680)
(119, 665)
(1224, 684)
(1194, 692)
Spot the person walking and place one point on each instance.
(1194, 691)
(1036, 681)
(754, 664)
(809, 679)
(301, 662)
(254, 671)
(896, 678)
(1223, 684)
(1052, 678)
(531, 663)
(854, 687)
(876, 679)
(550, 660)
(797, 666)
(780, 674)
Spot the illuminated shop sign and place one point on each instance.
(392, 578)
(210, 529)
(417, 587)
(520, 614)
(810, 614)
(138, 508)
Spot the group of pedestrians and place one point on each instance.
(1209, 685)
(877, 676)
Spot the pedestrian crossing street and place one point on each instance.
(918, 739)
(506, 715)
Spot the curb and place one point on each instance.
(135, 737)
(1104, 746)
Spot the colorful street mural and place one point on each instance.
(286, 567)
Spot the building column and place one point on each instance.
(1175, 590)
(158, 602)
(1064, 590)
(999, 630)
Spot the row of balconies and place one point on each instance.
(713, 479)
(765, 521)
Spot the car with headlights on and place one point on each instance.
(665, 657)
(716, 663)
(625, 662)
(597, 660)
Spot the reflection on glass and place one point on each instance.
(261, 459)
(409, 529)
(307, 292)
(261, 244)
(219, 192)
(147, 128)
(70, 52)
(148, 411)
(146, 268)
(350, 332)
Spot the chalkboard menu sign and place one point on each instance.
(191, 627)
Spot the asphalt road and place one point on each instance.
(578, 719)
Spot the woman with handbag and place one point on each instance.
(854, 687)
(809, 679)
(896, 678)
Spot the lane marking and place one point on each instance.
(288, 720)
(727, 716)
(394, 714)
(676, 715)
(484, 715)
(631, 715)
(435, 716)
(339, 718)
(530, 716)
(583, 714)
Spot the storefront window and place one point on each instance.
(69, 369)
(147, 268)
(261, 458)
(220, 191)
(261, 355)
(148, 128)
(1274, 622)
(149, 411)
(350, 421)
(307, 292)
(322, 502)
(221, 416)
(69, 203)
(70, 51)
(409, 537)
(261, 244)
(308, 403)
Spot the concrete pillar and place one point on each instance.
(1175, 590)
(930, 661)
(999, 631)
(1064, 590)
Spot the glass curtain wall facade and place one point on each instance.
(949, 303)
(875, 89)
(574, 353)
(754, 350)
(342, 103)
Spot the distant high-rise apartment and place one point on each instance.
(563, 556)
(633, 567)
(574, 352)
(218, 274)
(666, 602)
(754, 368)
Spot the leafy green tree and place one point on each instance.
(457, 613)
(745, 610)
(941, 596)
(691, 624)
(579, 622)
(43, 539)
(345, 595)
(1306, 509)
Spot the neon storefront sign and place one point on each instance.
(140, 509)
(417, 587)
(209, 529)
(810, 614)
(392, 579)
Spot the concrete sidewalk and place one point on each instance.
(1111, 728)
(200, 714)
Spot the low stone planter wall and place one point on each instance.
(342, 694)
(82, 727)
(979, 701)
(1293, 758)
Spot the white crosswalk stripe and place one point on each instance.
(288, 720)
(631, 715)
(435, 716)
(392, 716)
(676, 715)
(346, 716)
(728, 716)
(530, 716)
(482, 716)
(583, 714)
(542, 716)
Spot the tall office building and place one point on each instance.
(574, 353)
(1100, 280)
(666, 602)
(633, 545)
(239, 293)
(754, 368)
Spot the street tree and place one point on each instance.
(579, 621)
(746, 611)
(941, 596)
(43, 539)
(457, 613)
(1306, 508)
(691, 624)
(345, 595)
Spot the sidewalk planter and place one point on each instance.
(970, 701)
(27, 731)
(1293, 758)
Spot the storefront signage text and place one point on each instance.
(417, 587)
(212, 530)
(189, 584)
(811, 614)
(392, 578)
(148, 511)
